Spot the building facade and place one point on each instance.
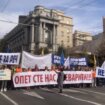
(41, 28)
(103, 25)
(79, 38)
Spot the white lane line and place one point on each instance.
(74, 91)
(79, 99)
(75, 98)
(34, 94)
(93, 92)
(12, 101)
(46, 89)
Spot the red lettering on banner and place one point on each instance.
(90, 76)
(87, 77)
(46, 78)
(41, 78)
(54, 75)
(23, 79)
(27, 79)
(50, 77)
(38, 78)
(68, 77)
(34, 78)
(77, 77)
(17, 79)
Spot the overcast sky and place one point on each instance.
(87, 14)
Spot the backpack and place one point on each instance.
(64, 78)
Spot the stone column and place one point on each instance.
(56, 47)
(32, 39)
(44, 29)
(54, 36)
(32, 33)
(40, 33)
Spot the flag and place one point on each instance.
(62, 59)
(67, 62)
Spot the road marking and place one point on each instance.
(74, 91)
(12, 101)
(69, 96)
(34, 94)
(79, 99)
(46, 89)
(66, 90)
(92, 91)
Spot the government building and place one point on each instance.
(41, 28)
(79, 38)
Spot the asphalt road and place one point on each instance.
(45, 96)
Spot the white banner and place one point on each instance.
(9, 58)
(5, 74)
(49, 78)
(100, 72)
(103, 65)
(29, 61)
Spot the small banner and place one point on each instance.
(5, 74)
(100, 72)
(9, 58)
(70, 61)
(25, 79)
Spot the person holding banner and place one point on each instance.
(4, 82)
(94, 78)
(18, 69)
(35, 68)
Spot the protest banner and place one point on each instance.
(5, 74)
(78, 61)
(49, 78)
(100, 72)
(29, 60)
(70, 61)
(9, 58)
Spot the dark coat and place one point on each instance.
(60, 79)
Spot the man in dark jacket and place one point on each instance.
(60, 80)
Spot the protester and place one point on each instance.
(4, 82)
(46, 68)
(18, 69)
(35, 68)
(94, 78)
(60, 80)
(28, 70)
(53, 68)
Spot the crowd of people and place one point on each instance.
(4, 84)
